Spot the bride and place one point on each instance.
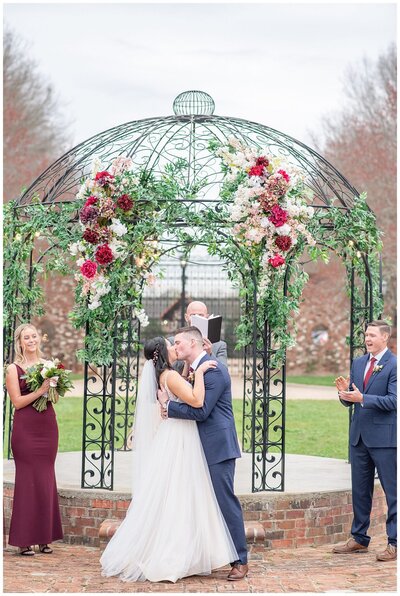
(174, 526)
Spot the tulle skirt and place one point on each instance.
(174, 527)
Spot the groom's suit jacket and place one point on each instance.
(215, 419)
(375, 420)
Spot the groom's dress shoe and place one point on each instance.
(351, 546)
(237, 572)
(389, 554)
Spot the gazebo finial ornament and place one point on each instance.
(194, 103)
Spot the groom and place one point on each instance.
(218, 436)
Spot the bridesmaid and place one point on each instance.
(36, 515)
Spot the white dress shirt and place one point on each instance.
(377, 358)
(196, 362)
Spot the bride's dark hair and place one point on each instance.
(156, 350)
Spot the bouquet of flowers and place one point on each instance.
(60, 381)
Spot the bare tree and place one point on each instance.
(361, 142)
(34, 133)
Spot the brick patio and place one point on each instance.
(75, 568)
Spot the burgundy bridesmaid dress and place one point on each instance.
(36, 515)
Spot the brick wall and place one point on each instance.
(272, 520)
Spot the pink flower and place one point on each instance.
(284, 175)
(103, 178)
(278, 216)
(90, 201)
(276, 261)
(89, 269)
(256, 171)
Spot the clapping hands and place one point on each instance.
(342, 384)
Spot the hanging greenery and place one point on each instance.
(28, 234)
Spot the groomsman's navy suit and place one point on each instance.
(219, 439)
(373, 440)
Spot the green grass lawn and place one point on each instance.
(327, 380)
(312, 427)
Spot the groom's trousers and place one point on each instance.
(222, 476)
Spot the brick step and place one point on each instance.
(255, 532)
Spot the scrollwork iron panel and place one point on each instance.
(98, 428)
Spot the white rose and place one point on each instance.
(283, 230)
(310, 211)
(118, 249)
(80, 262)
(254, 181)
(118, 228)
(293, 210)
(73, 248)
(94, 304)
(96, 166)
(142, 317)
(265, 223)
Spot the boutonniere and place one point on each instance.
(190, 378)
(377, 368)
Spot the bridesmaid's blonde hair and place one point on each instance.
(19, 354)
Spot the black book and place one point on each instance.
(210, 328)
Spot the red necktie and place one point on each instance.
(369, 372)
(191, 369)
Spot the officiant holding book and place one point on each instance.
(218, 349)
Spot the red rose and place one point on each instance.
(90, 201)
(256, 171)
(89, 269)
(283, 242)
(104, 255)
(284, 175)
(103, 178)
(61, 366)
(91, 236)
(125, 203)
(262, 161)
(278, 216)
(276, 261)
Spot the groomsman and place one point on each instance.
(217, 349)
(372, 388)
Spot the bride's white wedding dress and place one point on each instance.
(174, 527)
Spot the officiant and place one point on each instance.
(217, 349)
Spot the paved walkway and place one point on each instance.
(76, 569)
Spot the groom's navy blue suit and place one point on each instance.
(373, 440)
(218, 436)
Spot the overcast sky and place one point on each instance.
(278, 64)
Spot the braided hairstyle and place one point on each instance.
(156, 350)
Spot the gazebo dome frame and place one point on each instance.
(153, 143)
